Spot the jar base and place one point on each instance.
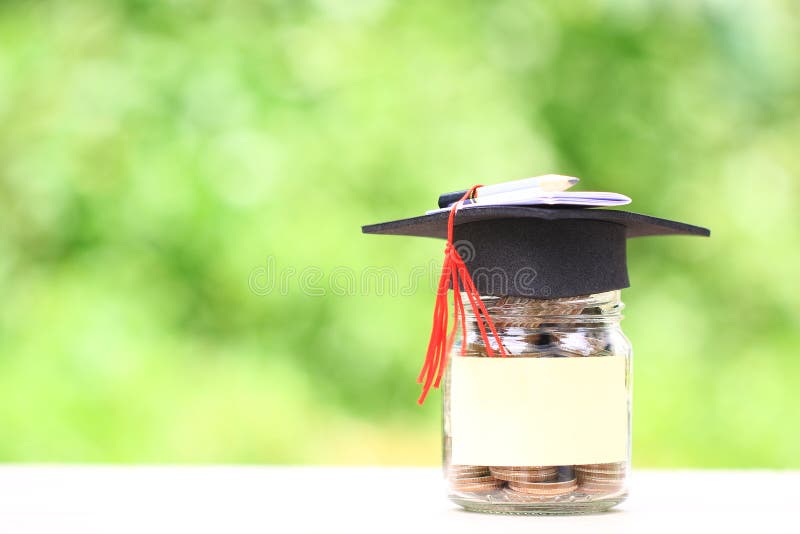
(544, 508)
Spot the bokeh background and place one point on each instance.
(159, 161)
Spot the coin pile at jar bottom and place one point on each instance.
(537, 483)
(471, 478)
(600, 478)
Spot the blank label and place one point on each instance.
(538, 411)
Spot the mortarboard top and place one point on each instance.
(545, 253)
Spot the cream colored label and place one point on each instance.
(538, 411)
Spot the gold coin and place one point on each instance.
(462, 466)
(523, 476)
(524, 467)
(476, 484)
(612, 467)
(555, 484)
(599, 470)
(595, 477)
(475, 480)
(602, 472)
(545, 488)
(600, 476)
(609, 470)
(541, 494)
(518, 474)
(467, 471)
(601, 481)
(598, 489)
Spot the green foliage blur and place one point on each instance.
(171, 172)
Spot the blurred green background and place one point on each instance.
(158, 159)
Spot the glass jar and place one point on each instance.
(546, 429)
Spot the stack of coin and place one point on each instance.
(601, 478)
(540, 490)
(472, 478)
(535, 473)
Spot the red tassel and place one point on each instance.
(455, 274)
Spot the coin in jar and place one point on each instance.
(476, 484)
(519, 475)
(545, 488)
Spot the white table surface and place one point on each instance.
(322, 499)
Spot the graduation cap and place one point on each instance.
(571, 251)
(526, 251)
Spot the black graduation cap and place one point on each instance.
(540, 252)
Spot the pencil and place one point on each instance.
(545, 183)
